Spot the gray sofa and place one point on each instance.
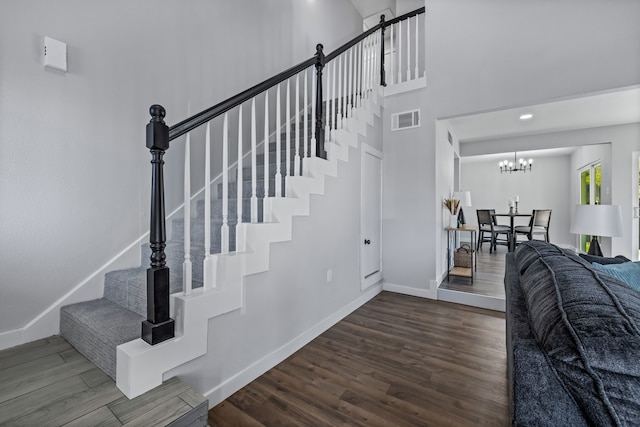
(573, 341)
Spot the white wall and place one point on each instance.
(292, 302)
(546, 186)
(406, 6)
(408, 215)
(495, 54)
(74, 169)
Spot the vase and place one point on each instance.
(453, 221)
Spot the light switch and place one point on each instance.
(55, 54)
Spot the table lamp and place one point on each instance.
(597, 220)
(465, 200)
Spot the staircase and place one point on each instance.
(97, 327)
(108, 330)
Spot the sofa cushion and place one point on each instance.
(619, 259)
(628, 272)
(531, 376)
(587, 325)
(529, 252)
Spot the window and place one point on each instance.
(590, 191)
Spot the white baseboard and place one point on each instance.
(475, 300)
(242, 378)
(409, 290)
(10, 339)
(47, 323)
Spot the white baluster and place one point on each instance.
(333, 100)
(240, 178)
(278, 179)
(207, 192)
(351, 83)
(367, 75)
(305, 138)
(327, 115)
(359, 76)
(368, 64)
(287, 150)
(415, 76)
(375, 68)
(186, 265)
(266, 156)
(254, 165)
(391, 56)
(400, 52)
(314, 97)
(340, 96)
(408, 49)
(296, 159)
(224, 229)
(345, 88)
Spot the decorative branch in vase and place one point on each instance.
(452, 206)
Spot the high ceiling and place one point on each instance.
(604, 109)
(601, 109)
(369, 7)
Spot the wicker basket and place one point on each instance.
(462, 257)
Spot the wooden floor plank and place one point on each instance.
(26, 352)
(42, 397)
(161, 415)
(101, 417)
(33, 381)
(49, 383)
(72, 407)
(127, 410)
(397, 360)
(231, 416)
(13, 373)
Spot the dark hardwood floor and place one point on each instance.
(396, 361)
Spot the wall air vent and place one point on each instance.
(405, 120)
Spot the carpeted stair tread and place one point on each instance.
(128, 288)
(97, 327)
(197, 235)
(216, 210)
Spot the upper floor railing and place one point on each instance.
(329, 87)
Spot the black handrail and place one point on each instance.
(159, 326)
(203, 117)
(405, 16)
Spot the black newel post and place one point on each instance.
(383, 81)
(320, 152)
(158, 327)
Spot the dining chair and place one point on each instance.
(486, 224)
(538, 225)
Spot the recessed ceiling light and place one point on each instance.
(526, 116)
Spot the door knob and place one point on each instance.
(367, 241)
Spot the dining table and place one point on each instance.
(512, 216)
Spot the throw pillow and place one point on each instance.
(604, 260)
(628, 272)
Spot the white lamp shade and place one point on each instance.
(464, 197)
(597, 220)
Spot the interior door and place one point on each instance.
(371, 217)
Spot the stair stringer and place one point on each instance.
(140, 367)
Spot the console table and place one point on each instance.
(452, 270)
